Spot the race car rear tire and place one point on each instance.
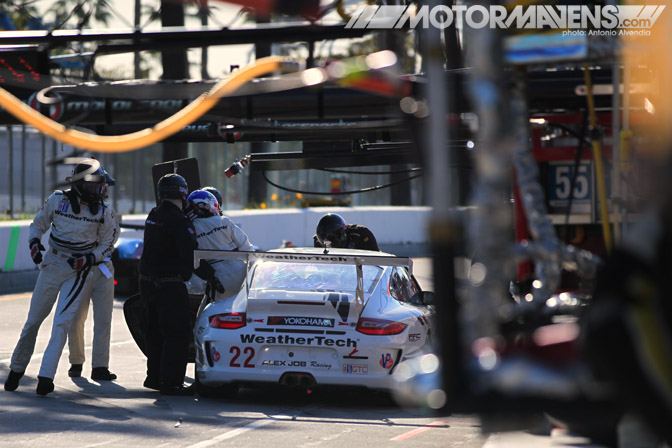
(226, 391)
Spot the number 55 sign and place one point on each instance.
(560, 175)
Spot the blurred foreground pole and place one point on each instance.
(10, 165)
(444, 228)
(175, 66)
(137, 73)
(203, 14)
(492, 219)
(257, 186)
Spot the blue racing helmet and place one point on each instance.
(204, 203)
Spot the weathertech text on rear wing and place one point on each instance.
(301, 258)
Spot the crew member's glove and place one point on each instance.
(81, 261)
(36, 249)
(216, 285)
(190, 212)
(207, 272)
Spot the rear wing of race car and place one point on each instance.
(293, 257)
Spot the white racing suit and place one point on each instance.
(71, 233)
(102, 296)
(220, 233)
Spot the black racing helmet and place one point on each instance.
(215, 192)
(88, 180)
(172, 186)
(332, 228)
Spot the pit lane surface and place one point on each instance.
(85, 413)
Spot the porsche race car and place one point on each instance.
(308, 318)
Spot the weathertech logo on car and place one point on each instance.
(318, 341)
(300, 321)
(286, 257)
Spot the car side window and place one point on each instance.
(402, 286)
(395, 285)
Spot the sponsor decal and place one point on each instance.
(279, 363)
(352, 355)
(211, 231)
(64, 205)
(284, 257)
(55, 108)
(201, 329)
(77, 218)
(320, 365)
(197, 128)
(215, 354)
(355, 369)
(341, 304)
(317, 341)
(386, 360)
(300, 321)
(413, 337)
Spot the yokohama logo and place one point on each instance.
(300, 321)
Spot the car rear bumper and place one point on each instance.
(214, 371)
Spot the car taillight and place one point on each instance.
(379, 326)
(229, 321)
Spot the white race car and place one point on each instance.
(307, 318)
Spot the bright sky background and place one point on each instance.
(220, 58)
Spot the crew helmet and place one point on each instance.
(331, 230)
(204, 203)
(88, 180)
(172, 186)
(215, 192)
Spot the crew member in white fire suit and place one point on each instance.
(83, 231)
(216, 231)
(102, 297)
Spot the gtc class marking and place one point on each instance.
(356, 369)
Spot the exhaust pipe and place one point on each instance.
(298, 379)
(306, 380)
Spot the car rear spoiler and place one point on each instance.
(293, 257)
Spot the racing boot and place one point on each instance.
(177, 389)
(152, 383)
(44, 385)
(12, 381)
(102, 374)
(75, 371)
